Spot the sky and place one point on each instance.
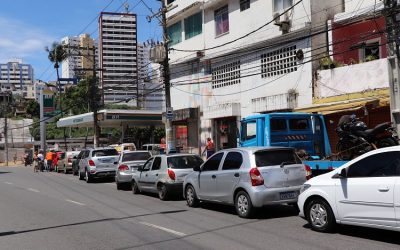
(28, 26)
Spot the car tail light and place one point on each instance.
(69, 160)
(123, 168)
(308, 172)
(171, 174)
(91, 163)
(256, 177)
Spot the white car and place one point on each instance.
(362, 192)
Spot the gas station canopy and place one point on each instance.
(114, 118)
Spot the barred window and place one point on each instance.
(226, 74)
(278, 62)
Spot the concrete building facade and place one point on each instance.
(230, 59)
(79, 58)
(17, 77)
(118, 57)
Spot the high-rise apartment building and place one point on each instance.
(143, 63)
(118, 56)
(16, 77)
(80, 56)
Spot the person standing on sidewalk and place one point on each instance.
(210, 147)
(49, 160)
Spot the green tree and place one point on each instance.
(33, 109)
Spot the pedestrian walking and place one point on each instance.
(210, 147)
(15, 158)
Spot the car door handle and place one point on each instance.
(383, 189)
(146, 175)
(236, 175)
(213, 176)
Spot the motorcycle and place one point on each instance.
(27, 161)
(356, 139)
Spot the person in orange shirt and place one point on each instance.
(210, 147)
(49, 160)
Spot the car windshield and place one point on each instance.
(276, 157)
(137, 156)
(185, 161)
(105, 152)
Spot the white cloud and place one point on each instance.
(21, 40)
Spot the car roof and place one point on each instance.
(256, 149)
(135, 151)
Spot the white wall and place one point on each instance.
(354, 78)
(354, 5)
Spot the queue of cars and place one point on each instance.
(363, 192)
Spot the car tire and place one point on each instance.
(119, 186)
(191, 196)
(81, 177)
(88, 178)
(135, 188)
(243, 205)
(320, 216)
(162, 192)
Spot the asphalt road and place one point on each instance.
(57, 211)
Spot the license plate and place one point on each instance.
(287, 195)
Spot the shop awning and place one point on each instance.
(350, 105)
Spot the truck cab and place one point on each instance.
(298, 130)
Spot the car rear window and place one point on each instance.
(104, 152)
(182, 162)
(276, 157)
(137, 156)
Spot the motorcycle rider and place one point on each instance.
(40, 161)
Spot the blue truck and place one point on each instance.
(302, 131)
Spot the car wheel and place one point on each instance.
(162, 192)
(81, 177)
(320, 216)
(119, 185)
(191, 197)
(243, 205)
(88, 178)
(135, 188)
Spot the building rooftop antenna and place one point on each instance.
(126, 5)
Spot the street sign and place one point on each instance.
(170, 113)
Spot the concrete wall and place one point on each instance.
(353, 78)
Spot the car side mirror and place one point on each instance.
(341, 175)
(196, 168)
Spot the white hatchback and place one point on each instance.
(362, 192)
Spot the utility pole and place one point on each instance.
(6, 134)
(94, 94)
(392, 27)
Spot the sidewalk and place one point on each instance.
(12, 164)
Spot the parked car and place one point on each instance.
(247, 178)
(363, 192)
(64, 164)
(129, 161)
(75, 162)
(164, 174)
(98, 163)
(153, 148)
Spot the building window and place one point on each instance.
(221, 17)
(244, 5)
(278, 62)
(226, 74)
(193, 25)
(282, 4)
(370, 51)
(170, 1)
(175, 33)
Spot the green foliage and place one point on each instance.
(33, 109)
(145, 135)
(57, 54)
(77, 98)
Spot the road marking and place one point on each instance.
(33, 190)
(75, 202)
(9, 183)
(164, 229)
(110, 184)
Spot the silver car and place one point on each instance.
(164, 174)
(247, 178)
(129, 161)
(98, 163)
